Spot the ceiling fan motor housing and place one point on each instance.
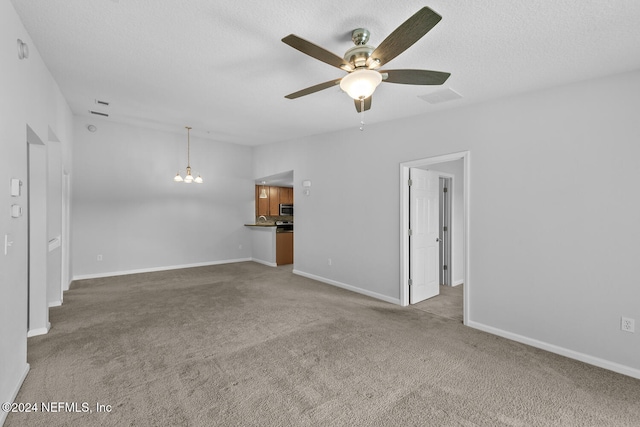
(358, 55)
(360, 36)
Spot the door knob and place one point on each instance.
(439, 240)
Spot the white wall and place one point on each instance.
(30, 97)
(127, 208)
(553, 242)
(263, 249)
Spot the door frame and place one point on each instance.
(66, 234)
(37, 250)
(448, 240)
(404, 222)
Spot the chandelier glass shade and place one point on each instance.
(361, 83)
(188, 178)
(263, 191)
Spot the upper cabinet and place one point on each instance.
(270, 206)
(274, 201)
(262, 205)
(286, 195)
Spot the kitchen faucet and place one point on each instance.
(262, 217)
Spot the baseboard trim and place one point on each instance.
(571, 354)
(55, 304)
(348, 287)
(39, 331)
(14, 393)
(458, 282)
(154, 269)
(270, 264)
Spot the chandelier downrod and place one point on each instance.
(188, 128)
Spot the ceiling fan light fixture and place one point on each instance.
(361, 83)
(362, 61)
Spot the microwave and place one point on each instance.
(286, 209)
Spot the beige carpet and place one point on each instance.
(449, 303)
(249, 345)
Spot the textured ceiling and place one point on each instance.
(221, 68)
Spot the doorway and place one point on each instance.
(459, 243)
(38, 309)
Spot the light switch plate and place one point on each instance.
(16, 211)
(15, 187)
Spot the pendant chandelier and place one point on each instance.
(188, 178)
(263, 192)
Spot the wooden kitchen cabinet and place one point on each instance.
(262, 205)
(275, 196)
(284, 248)
(286, 195)
(274, 200)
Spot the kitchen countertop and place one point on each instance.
(261, 224)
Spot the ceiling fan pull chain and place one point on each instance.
(362, 112)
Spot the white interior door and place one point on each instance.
(424, 241)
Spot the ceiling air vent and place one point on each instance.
(98, 113)
(440, 96)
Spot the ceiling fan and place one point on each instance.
(362, 61)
